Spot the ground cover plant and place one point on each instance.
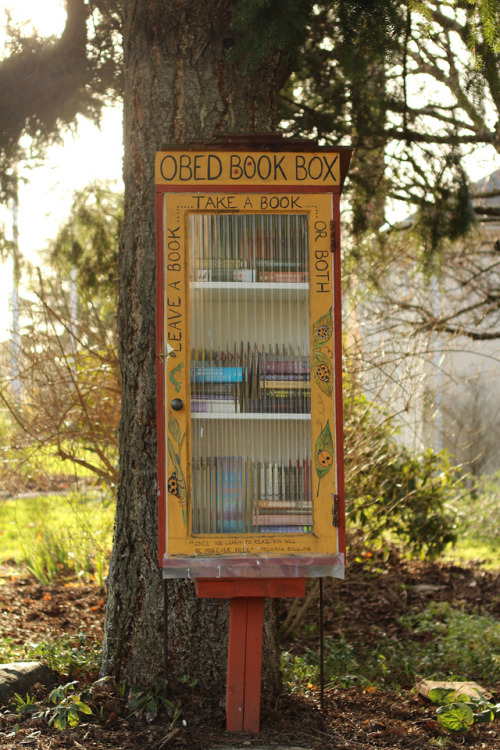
(390, 618)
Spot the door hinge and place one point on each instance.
(333, 244)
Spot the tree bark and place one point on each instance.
(179, 87)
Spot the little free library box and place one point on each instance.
(250, 461)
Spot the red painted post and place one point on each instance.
(244, 654)
(236, 662)
(253, 665)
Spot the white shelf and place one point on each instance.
(247, 416)
(245, 286)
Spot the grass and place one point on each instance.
(479, 524)
(57, 534)
(481, 550)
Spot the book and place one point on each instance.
(285, 529)
(287, 384)
(245, 274)
(274, 367)
(219, 406)
(278, 405)
(217, 374)
(278, 505)
(284, 277)
(278, 519)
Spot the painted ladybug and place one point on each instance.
(322, 332)
(173, 485)
(325, 458)
(323, 373)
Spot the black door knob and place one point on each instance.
(177, 404)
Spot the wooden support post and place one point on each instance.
(244, 656)
(244, 664)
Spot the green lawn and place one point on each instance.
(52, 534)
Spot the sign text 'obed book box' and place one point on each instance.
(249, 375)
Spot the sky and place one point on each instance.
(46, 192)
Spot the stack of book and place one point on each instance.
(284, 500)
(270, 271)
(214, 387)
(232, 494)
(250, 381)
(285, 384)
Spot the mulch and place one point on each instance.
(352, 719)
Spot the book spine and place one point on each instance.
(285, 529)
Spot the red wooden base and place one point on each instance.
(244, 655)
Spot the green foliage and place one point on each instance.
(479, 523)
(464, 645)
(69, 654)
(57, 535)
(485, 15)
(391, 492)
(65, 711)
(88, 241)
(458, 712)
(384, 663)
(262, 28)
(56, 80)
(445, 211)
(370, 25)
(478, 509)
(67, 707)
(25, 706)
(147, 702)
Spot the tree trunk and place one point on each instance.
(179, 88)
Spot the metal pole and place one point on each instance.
(165, 630)
(321, 648)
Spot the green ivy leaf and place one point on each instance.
(457, 718)
(486, 715)
(443, 696)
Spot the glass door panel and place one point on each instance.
(249, 373)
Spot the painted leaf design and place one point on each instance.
(173, 426)
(322, 372)
(323, 451)
(173, 374)
(181, 484)
(175, 458)
(322, 329)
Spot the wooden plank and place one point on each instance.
(236, 659)
(253, 664)
(229, 588)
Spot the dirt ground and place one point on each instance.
(352, 719)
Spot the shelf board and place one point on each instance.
(244, 286)
(246, 416)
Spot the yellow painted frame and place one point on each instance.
(180, 541)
